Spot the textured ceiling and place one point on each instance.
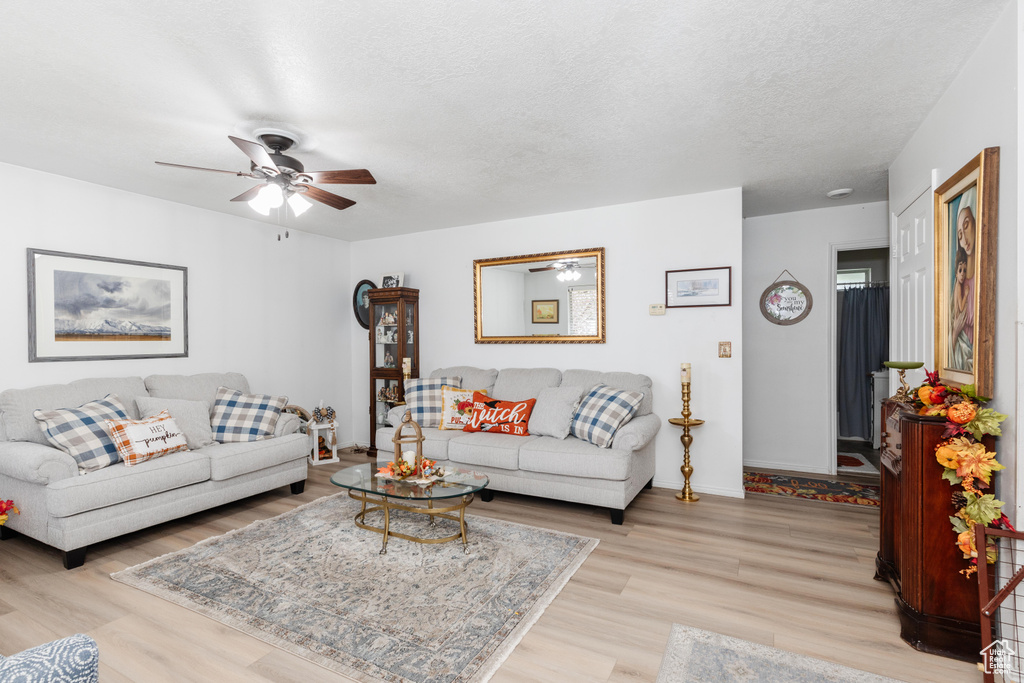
(469, 111)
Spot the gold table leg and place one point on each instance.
(686, 495)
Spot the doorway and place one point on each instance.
(861, 291)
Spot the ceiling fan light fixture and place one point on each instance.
(298, 204)
(259, 204)
(272, 195)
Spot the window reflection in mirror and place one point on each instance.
(555, 297)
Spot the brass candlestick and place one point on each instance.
(686, 495)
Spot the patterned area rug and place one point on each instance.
(311, 583)
(854, 463)
(696, 656)
(817, 489)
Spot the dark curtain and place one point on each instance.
(863, 347)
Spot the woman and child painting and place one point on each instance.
(963, 281)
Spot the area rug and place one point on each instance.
(696, 656)
(311, 583)
(854, 463)
(816, 489)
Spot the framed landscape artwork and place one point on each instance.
(698, 287)
(966, 216)
(94, 308)
(544, 310)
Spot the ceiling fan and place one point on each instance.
(570, 270)
(284, 178)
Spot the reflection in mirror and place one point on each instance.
(556, 297)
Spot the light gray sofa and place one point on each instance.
(70, 511)
(563, 469)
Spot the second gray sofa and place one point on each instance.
(566, 469)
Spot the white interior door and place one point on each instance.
(913, 308)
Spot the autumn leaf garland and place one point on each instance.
(966, 462)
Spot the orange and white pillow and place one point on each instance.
(456, 407)
(151, 437)
(500, 417)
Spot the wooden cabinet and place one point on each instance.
(918, 556)
(394, 336)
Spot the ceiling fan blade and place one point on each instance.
(249, 194)
(358, 176)
(327, 198)
(256, 152)
(211, 170)
(537, 270)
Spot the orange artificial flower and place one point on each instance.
(965, 541)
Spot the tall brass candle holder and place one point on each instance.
(686, 495)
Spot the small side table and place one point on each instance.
(314, 429)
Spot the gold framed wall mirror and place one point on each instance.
(551, 298)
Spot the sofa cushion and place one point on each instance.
(474, 379)
(602, 412)
(435, 442)
(146, 438)
(516, 384)
(575, 458)
(456, 407)
(245, 417)
(229, 460)
(424, 398)
(556, 406)
(627, 381)
(82, 432)
(497, 416)
(485, 449)
(18, 405)
(202, 387)
(118, 484)
(192, 416)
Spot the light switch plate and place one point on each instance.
(725, 349)
(657, 309)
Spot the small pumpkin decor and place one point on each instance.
(409, 460)
(967, 465)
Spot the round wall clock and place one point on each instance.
(361, 302)
(786, 302)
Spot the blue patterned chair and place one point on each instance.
(75, 659)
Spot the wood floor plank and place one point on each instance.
(793, 574)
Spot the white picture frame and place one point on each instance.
(389, 280)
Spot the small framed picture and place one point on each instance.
(389, 280)
(698, 287)
(545, 310)
(361, 302)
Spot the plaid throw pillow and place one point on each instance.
(602, 412)
(245, 417)
(141, 440)
(82, 432)
(423, 398)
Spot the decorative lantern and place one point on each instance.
(414, 458)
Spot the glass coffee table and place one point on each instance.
(444, 497)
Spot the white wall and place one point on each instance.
(642, 241)
(502, 306)
(980, 110)
(787, 418)
(279, 312)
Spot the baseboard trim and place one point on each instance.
(788, 466)
(710, 490)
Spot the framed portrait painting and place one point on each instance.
(361, 302)
(544, 310)
(966, 219)
(95, 308)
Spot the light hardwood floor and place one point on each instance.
(793, 574)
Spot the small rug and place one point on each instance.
(854, 463)
(696, 656)
(816, 489)
(310, 582)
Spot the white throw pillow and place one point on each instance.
(192, 416)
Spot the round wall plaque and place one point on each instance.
(786, 302)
